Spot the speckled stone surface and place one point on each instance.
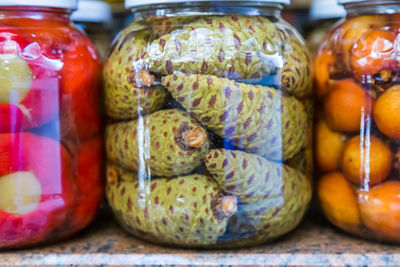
(314, 243)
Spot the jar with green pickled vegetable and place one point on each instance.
(208, 139)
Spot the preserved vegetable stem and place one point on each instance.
(195, 137)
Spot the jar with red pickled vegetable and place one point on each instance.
(358, 122)
(50, 138)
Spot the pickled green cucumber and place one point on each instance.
(259, 119)
(227, 46)
(296, 73)
(163, 143)
(188, 210)
(128, 88)
(273, 197)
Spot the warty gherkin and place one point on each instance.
(256, 118)
(227, 46)
(296, 73)
(164, 25)
(187, 211)
(273, 197)
(128, 89)
(163, 143)
(303, 160)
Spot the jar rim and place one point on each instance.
(345, 2)
(137, 3)
(66, 4)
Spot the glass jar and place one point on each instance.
(358, 126)
(209, 134)
(94, 18)
(50, 142)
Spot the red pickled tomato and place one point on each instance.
(28, 82)
(37, 170)
(81, 77)
(89, 180)
(323, 64)
(53, 34)
(374, 52)
(11, 42)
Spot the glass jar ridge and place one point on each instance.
(355, 8)
(134, 3)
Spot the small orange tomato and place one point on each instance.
(347, 106)
(323, 64)
(386, 112)
(348, 33)
(329, 147)
(354, 28)
(366, 161)
(380, 210)
(338, 201)
(374, 52)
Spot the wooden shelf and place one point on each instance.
(104, 243)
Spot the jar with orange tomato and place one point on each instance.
(358, 121)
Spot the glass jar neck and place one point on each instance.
(373, 7)
(253, 8)
(36, 13)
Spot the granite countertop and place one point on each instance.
(314, 243)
